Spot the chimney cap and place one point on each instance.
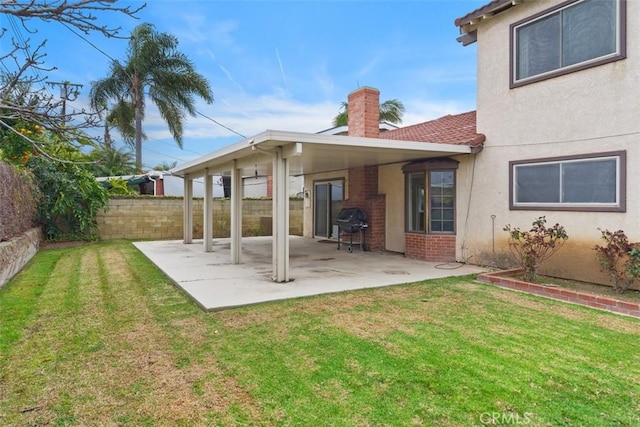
(362, 88)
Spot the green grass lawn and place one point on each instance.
(96, 335)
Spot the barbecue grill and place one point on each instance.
(352, 221)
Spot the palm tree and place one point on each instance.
(111, 161)
(391, 111)
(165, 165)
(153, 67)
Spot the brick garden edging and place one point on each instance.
(504, 280)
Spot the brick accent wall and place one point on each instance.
(161, 218)
(430, 247)
(364, 112)
(376, 209)
(363, 193)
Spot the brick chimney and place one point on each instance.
(364, 112)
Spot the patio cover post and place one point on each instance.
(280, 251)
(208, 211)
(236, 213)
(187, 210)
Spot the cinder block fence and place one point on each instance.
(161, 218)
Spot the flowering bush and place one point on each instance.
(531, 248)
(619, 259)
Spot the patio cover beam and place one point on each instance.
(187, 219)
(236, 213)
(207, 234)
(280, 251)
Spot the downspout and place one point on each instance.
(154, 184)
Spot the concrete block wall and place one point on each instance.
(161, 218)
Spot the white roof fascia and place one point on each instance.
(274, 138)
(334, 130)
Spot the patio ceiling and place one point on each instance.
(313, 153)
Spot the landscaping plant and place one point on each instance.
(619, 259)
(531, 248)
(70, 195)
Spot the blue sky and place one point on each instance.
(284, 65)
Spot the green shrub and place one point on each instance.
(531, 248)
(70, 195)
(619, 259)
(71, 199)
(119, 187)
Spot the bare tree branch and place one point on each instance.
(79, 13)
(23, 69)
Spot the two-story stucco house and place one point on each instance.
(559, 105)
(556, 133)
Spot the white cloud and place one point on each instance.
(322, 78)
(369, 67)
(229, 77)
(418, 111)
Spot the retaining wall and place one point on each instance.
(16, 252)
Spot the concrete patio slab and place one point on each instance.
(317, 267)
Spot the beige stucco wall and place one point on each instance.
(593, 110)
(391, 184)
(161, 218)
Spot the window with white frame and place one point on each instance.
(567, 38)
(431, 196)
(592, 182)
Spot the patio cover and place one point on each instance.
(281, 154)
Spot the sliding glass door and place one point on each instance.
(327, 203)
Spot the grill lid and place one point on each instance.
(352, 216)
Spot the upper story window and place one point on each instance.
(594, 182)
(572, 36)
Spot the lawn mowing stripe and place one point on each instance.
(192, 336)
(382, 387)
(548, 325)
(45, 345)
(536, 336)
(489, 377)
(435, 353)
(19, 297)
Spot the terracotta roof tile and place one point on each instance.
(455, 129)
